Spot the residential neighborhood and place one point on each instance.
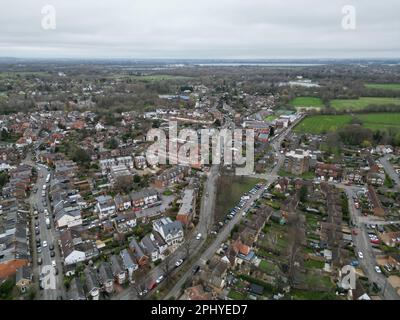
(86, 213)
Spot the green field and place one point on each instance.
(383, 86)
(271, 118)
(324, 123)
(361, 103)
(307, 102)
(230, 189)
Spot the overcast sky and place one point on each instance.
(200, 29)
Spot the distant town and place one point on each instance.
(84, 214)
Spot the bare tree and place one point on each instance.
(187, 246)
(167, 267)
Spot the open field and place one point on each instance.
(271, 118)
(383, 86)
(324, 123)
(307, 102)
(361, 103)
(230, 189)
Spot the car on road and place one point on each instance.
(195, 269)
(160, 279)
(178, 263)
(198, 237)
(53, 263)
(143, 293)
(44, 244)
(377, 269)
(360, 255)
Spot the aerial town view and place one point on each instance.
(145, 177)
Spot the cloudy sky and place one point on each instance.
(200, 29)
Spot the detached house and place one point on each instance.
(170, 231)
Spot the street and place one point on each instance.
(362, 244)
(53, 287)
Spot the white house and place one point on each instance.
(170, 231)
(105, 206)
(70, 253)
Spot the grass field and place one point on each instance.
(307, 102)
(324, 123)
(383, 86)
(361, 103)
(230, 189)
(271, 118)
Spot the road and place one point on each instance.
(53, 284)
(389, 169)
(362, 243)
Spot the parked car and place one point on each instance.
(377, 269)
(160, 279)
(195, 269)
(39, 261)
(387, 268)
(52, 254)
(178, 263)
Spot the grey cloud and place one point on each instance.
(200, 29)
